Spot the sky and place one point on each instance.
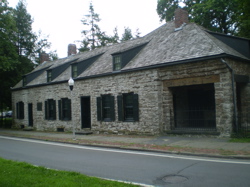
(61, 19)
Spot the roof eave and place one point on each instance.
(193, 60)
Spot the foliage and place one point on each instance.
(25, 37)
(19, 47)
(8, 56)
(23, 174)
(94, 37)
(215, 15)
(127, 35)
(244, 18)
(166, 8)
(228, 17)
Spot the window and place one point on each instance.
(105, 108)
(20, 110)
(117, 63)
(74, 71)
(49, 76)
(64, 107)
(39, 106)
(128, 107)
(50, 109)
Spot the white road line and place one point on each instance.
(127, 152)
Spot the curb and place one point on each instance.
(139, 149)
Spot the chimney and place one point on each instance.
(71, 49)
(44, 57)
(181, 17)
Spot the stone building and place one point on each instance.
(180, 78)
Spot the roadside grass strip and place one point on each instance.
(21, 174)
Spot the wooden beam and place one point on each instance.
(192, 81)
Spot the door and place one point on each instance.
(85, 112)
(30, 111)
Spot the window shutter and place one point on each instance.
(99, 108)
(17, 110)
(60, 109)
(46, 109)
(136, 107)
(21, 104)
(120, 108)
(112, 108)
(69, 109)
(54, 107)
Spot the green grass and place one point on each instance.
(20, 174)
(240, 140)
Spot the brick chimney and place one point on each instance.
(181, 17)
(44, 57)
(71, 49)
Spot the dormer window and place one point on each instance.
(49, 76)
(24, 81)
(122, 58)
(117, 63)
(74, 71)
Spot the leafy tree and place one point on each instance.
(8, 56)
(127, 35)
(92, 36)
(166, 8)
(216, 15)
(244, 18)
(25, 37)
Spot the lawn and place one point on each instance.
(20, 174)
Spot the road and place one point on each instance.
(150, 168)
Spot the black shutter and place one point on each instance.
(112, 108)
(136, 107)
(54, 109)
(60, 109)
(99, 108)
(120, 108)
(21, 104)
(17, 110)
(69, 109)
(46, 109)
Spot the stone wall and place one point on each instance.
(155, 97)
(190, 74)
(143, 83)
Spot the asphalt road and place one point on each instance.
(141, 167)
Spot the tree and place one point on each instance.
(93, 33)
(18, 47)
(94, 37)
(25, 37)
(127, 35)
(216, 15)
(244, 18)
(166, 8)
(8, 56)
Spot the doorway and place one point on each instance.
(30, 114)
(85, 112)
(194, 107)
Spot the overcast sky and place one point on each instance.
(61, 19)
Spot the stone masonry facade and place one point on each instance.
(154, 88)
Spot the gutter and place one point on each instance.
(234, 95)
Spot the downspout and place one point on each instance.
(234, 95)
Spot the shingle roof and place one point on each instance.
(164, 46)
